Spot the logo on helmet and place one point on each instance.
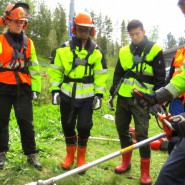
(21, 15)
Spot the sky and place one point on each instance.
(163, 13)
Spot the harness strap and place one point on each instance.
(145, 78)
(22, 70)
(13, 43)
(72, 102)
(139, 74)
(90, 51)
(85, 79)
(17, 55)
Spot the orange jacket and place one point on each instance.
(9, 66)
(177, 64)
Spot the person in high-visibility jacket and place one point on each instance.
(176, 105)
(20, 81)
(141, 65)
(78, 75)
(172, 172)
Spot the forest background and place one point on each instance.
(49, 28)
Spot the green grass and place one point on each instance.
(51, 144)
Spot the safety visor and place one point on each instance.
(86, 25)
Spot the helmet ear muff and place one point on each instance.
(93, 32)
(26, 25)
(7, 12)
(73, 28)
(2, 21)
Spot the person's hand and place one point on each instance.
(110, 103)
(178, 124)
(34, 95)
(144, 100)
(97, 102)
(56, 97)
(147, 100)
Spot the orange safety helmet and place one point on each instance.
(15, 12)
(83, 19)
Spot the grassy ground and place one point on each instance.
(51, 144)
(52, 151)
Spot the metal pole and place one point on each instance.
(71, 16)
(103, 139)
(52, 180)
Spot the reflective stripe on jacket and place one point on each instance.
(63, 66)
(8, 65)
(126, 60)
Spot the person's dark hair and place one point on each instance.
(134, 24)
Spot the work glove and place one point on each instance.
(178, 124)
(97, 102)
(34, 95)
(144, 100)
(110, 103)
(56, 97)
(147, 100)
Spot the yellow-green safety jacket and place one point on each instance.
(90, 75)
(177, 84)
(129, 83)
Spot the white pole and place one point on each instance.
(52, 180)
(103, 139)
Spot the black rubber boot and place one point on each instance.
(32, 160)
(2, 160)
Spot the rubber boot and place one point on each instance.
(125, 165)
(81, 153)
(145, 174)
(69, 160)
(70, 149)
(81, 159)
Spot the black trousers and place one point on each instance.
(126, 108)
(81, 118)
(24, 116)
(173, 172)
